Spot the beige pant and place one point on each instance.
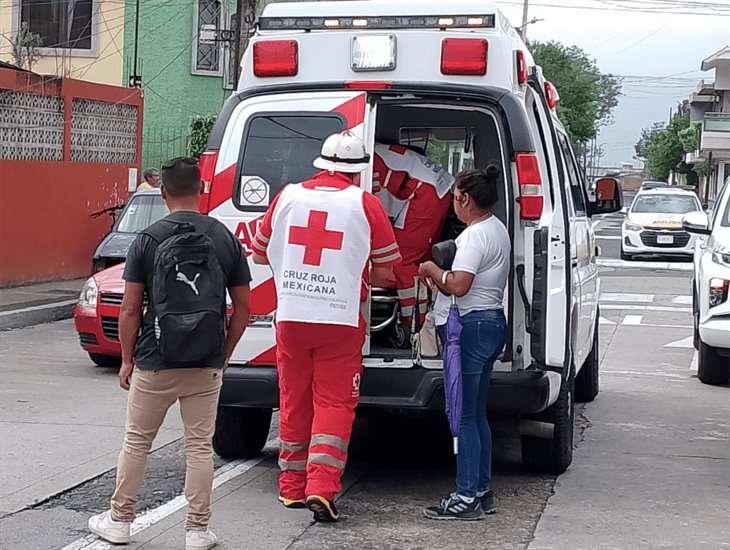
(150, 396)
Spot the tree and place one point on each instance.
(663, 148)
(587, 97)
(200, 127)
(24, 47)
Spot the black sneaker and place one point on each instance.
(324, 510)
(454, 507)
(488, 502)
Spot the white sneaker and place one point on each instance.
(200, 540)
(105, 526)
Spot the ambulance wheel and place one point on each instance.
(586, 383)
(399, 336)
(553, 456)
(241, 432)
(101, 360)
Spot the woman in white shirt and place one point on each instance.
(477, 279)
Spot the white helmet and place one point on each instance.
(344, 152)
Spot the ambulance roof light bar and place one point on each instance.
(377, 22)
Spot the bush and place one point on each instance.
(200, 127)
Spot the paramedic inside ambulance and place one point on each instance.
(415, 192)
(324, 239)
(477, 278)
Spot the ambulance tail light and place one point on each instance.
(206, 165)
(551, 94)
(275, 58)
(531, 193)
(368, 85)
(464, 56)
(521, 67)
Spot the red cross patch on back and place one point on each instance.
(315, 237)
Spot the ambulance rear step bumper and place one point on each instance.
(406, 390)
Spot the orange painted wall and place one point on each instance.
(46, 232)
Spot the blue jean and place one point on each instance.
(482, 339)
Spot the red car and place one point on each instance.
(97, 316)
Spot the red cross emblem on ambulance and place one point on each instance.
(315, 237)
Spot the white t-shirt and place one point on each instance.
(482, 249)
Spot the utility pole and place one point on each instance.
(523, 28)
(135, 80)
(245, 17)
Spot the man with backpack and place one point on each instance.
(176, 341)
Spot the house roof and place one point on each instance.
(718, 59)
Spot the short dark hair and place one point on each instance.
(181, 176)
(480, 185)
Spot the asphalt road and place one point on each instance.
(651, 467)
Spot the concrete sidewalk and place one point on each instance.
(28, 305)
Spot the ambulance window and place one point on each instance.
(279, 148)
(574, 176)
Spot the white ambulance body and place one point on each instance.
(455, 79)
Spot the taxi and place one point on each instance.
(653, 223)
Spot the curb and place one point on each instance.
(36, 315)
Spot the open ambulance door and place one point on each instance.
(551, 277)
(260, 143)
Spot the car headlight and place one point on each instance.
(720, 254)
(630, 226)
(89, 292)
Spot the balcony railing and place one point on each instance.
(716, 122)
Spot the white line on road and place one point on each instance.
(695, 365)
(608, 262)
(668, 309)
(686, 300)
(608, 237)
(684, 343)
(38, 308)
(223, 475)
(604, 321)
(616, 297)
(632, 320)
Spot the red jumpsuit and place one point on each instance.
(420, 212)
(319, 356)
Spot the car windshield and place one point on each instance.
(665, 204)
(141, 212)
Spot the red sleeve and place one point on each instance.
(383, 246)
(261, 240)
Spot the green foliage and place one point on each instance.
(662, 148)
(200, 127)
(700, 168)
(690, 137)
(587, 97)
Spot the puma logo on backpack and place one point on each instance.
(188, 294)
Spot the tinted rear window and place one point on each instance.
(279, 149)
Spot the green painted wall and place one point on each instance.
(172, 94)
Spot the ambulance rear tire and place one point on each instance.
(101, 360)
(553, 456)
(586, 382)
(241, 432)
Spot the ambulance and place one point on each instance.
(455, 80)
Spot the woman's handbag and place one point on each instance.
(424, 340)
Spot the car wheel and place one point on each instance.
(553, 456)
(586, 382)
(102, 360)
(241, 432)
(713, 369)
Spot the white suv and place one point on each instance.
(711, 306)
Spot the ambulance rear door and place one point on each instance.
(259, 144)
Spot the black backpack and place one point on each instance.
(188, 294)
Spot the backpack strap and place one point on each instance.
(161, 231)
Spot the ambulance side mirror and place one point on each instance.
(609, 197)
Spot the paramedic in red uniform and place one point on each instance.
(324, 239)
(416, 193)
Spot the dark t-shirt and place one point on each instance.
(140, 269)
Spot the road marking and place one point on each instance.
(223, 475)
(668, 309)
(632, 320)
(684, 343)
(609, 237)
(609, 262)
(694, 366)
(604, 321)
(39, 308)
(687, 300)
(616, 297)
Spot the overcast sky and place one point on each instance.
(626, 41)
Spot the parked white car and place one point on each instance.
(710, 284)
(653, 223)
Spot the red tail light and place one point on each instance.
(466, 56)
(551, 94)
(206, 164)
(275, 58)
(521, 67)
(368, 85)
(528, 176)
